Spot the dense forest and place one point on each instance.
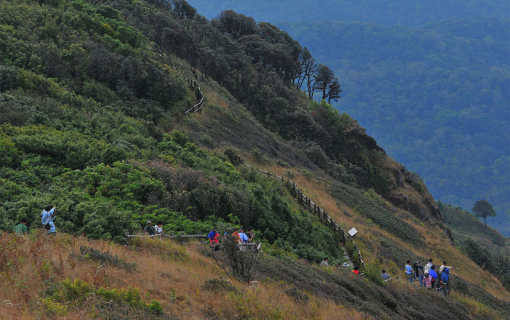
(436, 98)
(396, 12)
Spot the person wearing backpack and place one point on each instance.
(47, 217)
(149, 229)
(428, 266)
(445, 277)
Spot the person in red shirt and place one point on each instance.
(214, 237)
(356, 270)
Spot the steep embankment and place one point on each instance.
(87, 125)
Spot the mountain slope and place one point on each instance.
(94, 124)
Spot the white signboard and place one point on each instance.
(352, 232)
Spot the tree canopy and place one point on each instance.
(483, 209)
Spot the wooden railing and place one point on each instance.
(310, 206)
(193, 84)
(248, 246)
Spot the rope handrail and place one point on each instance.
(311, 206)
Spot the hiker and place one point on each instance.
(149, 228)
(409, 271)
(345, 265)
(244, 238)
(236, 236)
(427, 266)
(250, 235)
(445, 276)
(47, 217)
(325, 263)
(428, 281)
(158, 229)
(443, 266)
(385, 276)
(22, 227)
(356, 270)
(214, 237)
(418, 268)
(433, 274)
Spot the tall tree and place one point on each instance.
(483, 209)
(334, 91)
(323, 78)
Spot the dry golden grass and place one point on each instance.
(167, 272)
(437, 247)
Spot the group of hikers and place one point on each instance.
(345, 265)
(428, 276)
(239, 235)
(48, 215)
(214, 237)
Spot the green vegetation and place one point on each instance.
(67, 294)
(484, 210)
(482, 244)
(396, 12)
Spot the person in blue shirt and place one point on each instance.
(433, 274)
(385, 276)
(445, 276)
(243, 236)
(409, 271)
(47, 217)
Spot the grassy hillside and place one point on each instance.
(93, 123)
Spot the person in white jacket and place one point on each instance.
(427, 267)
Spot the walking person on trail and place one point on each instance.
(47, 217)
(149, 228)
(418, 268)
(325, 263)
(214, 237)
(427, 266)
(158, 229)
(409, 271)
(22, 227)
(356, 270)
(433, 274)
(445, 277)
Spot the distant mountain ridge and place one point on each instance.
(436, 98)
(396, 12)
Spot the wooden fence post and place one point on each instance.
(127, 238)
